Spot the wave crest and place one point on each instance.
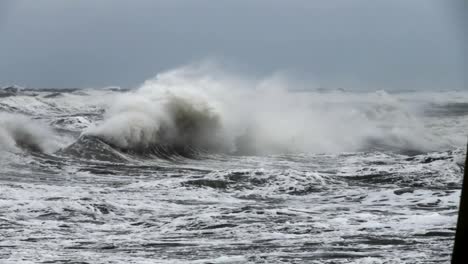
(18, 132)
(140, 125)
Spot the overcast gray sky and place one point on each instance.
(367, 44)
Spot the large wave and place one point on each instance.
(204, 108)
(140, 123)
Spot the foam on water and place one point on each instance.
(249, 209)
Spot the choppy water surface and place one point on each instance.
(91, 200)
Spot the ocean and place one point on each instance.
(201, 169)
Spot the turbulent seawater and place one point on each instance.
(194, 169)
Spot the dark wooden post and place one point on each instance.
(460, 249)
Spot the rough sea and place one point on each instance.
(190, 168)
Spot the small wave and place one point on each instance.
(447, 109)
(265, 182)
(436, 170)
(10, 91)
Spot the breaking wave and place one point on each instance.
(137, 124)
(18, 132)
(191, 107)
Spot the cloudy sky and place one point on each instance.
(355, 44)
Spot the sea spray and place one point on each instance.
(210, 109)
(18, 132)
